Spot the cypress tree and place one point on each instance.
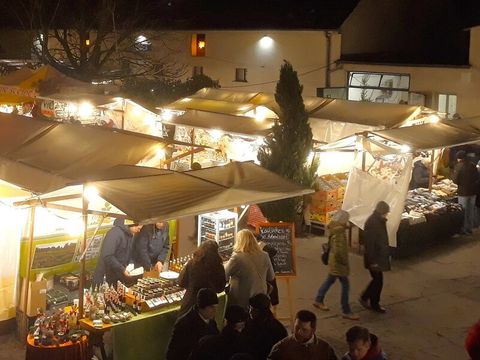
(286, 149)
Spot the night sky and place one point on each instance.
(189, 14)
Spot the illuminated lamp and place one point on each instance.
(266, 42)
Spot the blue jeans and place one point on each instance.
(468, 204)
(345, 290)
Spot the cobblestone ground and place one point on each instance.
(432, 299)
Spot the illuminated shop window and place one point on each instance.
(199, 44)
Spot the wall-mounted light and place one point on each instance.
(266, 42)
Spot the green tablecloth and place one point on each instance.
(147, 335)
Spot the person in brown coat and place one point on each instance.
(205, 270)
(303, 343)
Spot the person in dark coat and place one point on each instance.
(420, 175)
(192, 326)
(262, 330)
(271, 251)
(303, 343)
(363, 345)
(229, 342)
(205, 270)
(152, 246)
(465, 175)
(377, 255)
(115, 254)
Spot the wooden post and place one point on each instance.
(192, 148)
(290, 302)
(31, 233)
(364, 153)
(364, 160)
(83, 248)
(430, 176)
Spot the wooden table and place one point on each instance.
(69, 350)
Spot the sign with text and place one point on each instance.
(280, 236)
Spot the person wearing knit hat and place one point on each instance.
(465, 175)
(338, 264)
(376, 256)
(194, 325)
(229, 342)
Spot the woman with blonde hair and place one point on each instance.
(248, 270)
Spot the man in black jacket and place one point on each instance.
(377, 255)
(152, 246)
(229, 342)
(116, 252)
(192, 326)
(262, 329)
(465, 175)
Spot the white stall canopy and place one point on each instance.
(330, 119)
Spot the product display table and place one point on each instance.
(145, 336)
(69, 350)
(412, 239)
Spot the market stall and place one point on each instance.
(148, 195)
(383, 169)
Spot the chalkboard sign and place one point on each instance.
(282, 237)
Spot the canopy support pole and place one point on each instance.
(31, 233)
(364, 153)
(192, 148)
(83, 247)
(430, 174)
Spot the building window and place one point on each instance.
(197, 70)
(199, 44)
(378, 87)
(447, 103)
(241, 74)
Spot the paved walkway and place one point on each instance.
(431, 301)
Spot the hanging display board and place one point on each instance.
(282, 237)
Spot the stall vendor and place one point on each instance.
(116, 253)
(420, 174)
(152, 246)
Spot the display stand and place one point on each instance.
(220, 226)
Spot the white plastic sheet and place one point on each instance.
(364, 191)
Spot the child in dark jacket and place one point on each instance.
(363, 345)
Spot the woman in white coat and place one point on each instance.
(248, 270)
